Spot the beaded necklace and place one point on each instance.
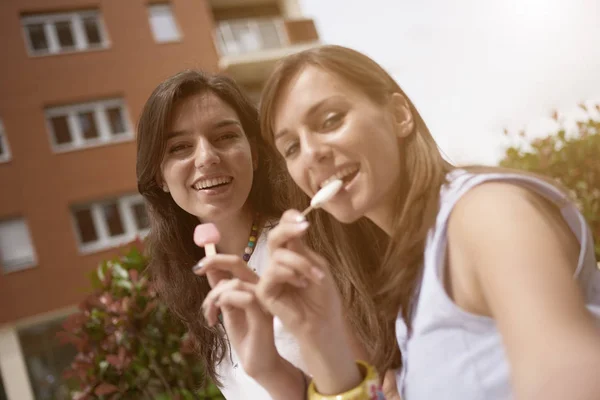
(251, 241)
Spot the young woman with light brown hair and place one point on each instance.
(200, 158)
(489, 278)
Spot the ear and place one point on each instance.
(161, 183)
(403, 117)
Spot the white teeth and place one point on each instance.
(341, 174)
(208, 183)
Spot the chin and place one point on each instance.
(345, 216)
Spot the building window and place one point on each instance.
(242, 36)
(111, 222)
(16, 248)
(46, 358)
(88, 124)
(4, 149)
(64, 32)
(163, 24)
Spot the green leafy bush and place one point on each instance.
(573, 160)
(129, 346)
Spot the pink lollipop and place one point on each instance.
(207, 236)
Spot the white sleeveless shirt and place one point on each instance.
(452, 354)
(236, 384)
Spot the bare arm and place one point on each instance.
(510, 257)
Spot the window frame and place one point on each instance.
(34, 257)
(101, 121)
(80, 39)
(168, 7)
(6, 155)
(227, 33)
(105, 240)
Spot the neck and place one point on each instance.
(383, 214)
(234, 231)
(383, 219)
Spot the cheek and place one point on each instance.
(166, 172)
(298, 177)
(171, 172)
(243, 159)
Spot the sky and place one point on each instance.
(476, 67)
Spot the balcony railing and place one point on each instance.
(237, 37)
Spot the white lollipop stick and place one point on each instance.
(324, 195)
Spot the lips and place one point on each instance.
(212, 182)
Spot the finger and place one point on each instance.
(229, 263)
(214, 277)
(284, 232)
(241, 301)
(210, 305)
(302, 265)
(273, 283)
(226, 285)
(236, 299)
(315, 258)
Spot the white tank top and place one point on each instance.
(236, 384)
(452, 354)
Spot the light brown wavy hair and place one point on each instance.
(391, 284)
(170, 246)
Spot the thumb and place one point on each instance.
(214, 277)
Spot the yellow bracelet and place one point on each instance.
(368, 389)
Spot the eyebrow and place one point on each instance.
(220, 124)
(226, 122)
(312, 110)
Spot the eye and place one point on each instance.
(228, 136)
(290, 149)
(176, 148)
(332, 120)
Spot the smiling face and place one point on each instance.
(327, 129)
(208, 162)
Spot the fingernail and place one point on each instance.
(303, 226)
(317, 273)
(300, 218)
(197, 267)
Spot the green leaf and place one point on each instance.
(119, 271)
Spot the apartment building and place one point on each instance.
(73, 79)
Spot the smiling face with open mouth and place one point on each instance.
(327, 129)
(208, 165)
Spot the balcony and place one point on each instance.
(238, 3)
(249, 48)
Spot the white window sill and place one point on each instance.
(122, 138)
(42, 54)
(113, 243)
(170, 41)
(20, 268)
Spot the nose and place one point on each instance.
(206, 154)
(313, 149)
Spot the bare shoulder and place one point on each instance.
(490, 199)
(511, 257)
(502, 232)
(500, 208)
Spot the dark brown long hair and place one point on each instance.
(172, 252)
(171, 249)
(391, 283)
